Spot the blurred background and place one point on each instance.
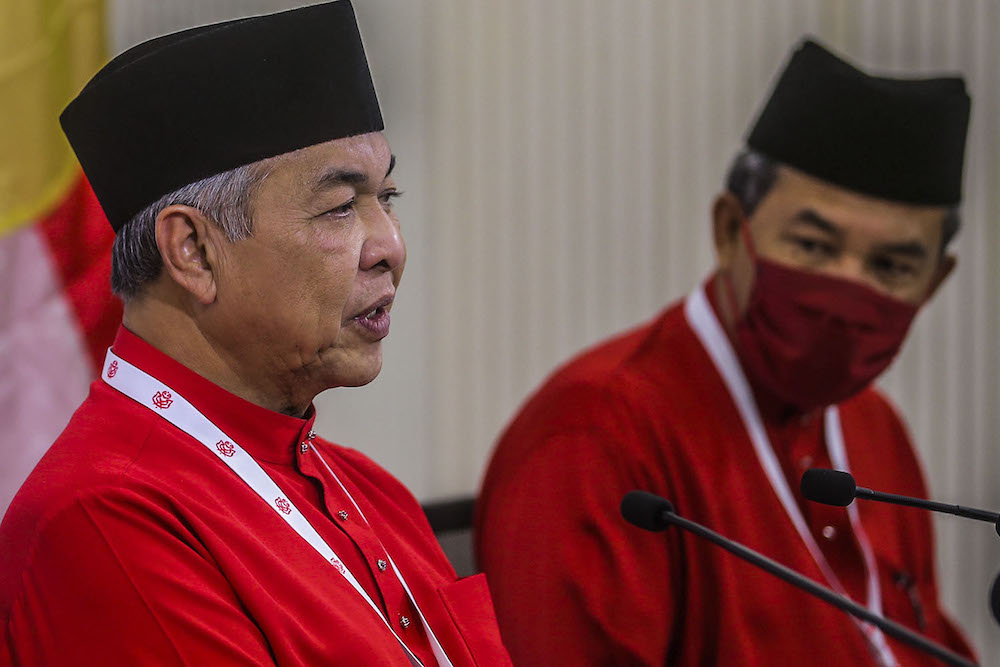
(559, 158)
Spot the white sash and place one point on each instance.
(709, 331)
(167, 403)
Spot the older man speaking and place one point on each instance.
(189, 514)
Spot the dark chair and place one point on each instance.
(451, 521)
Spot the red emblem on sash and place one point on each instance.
(163, 399)
(113, 368)
(225, 447)
(337, 564)
(283, 505)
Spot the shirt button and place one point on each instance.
(304, 447)
(311, 435)
(404, 622)
(381, 565)
(829, 532)
(343, 515)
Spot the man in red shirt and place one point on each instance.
(189, 514)
(831, 233)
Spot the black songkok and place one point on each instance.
(896, 139)
(186, 106)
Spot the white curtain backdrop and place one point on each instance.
(559, 158)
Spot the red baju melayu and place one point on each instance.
(132, 543)
(574, 584)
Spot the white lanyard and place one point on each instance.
(709, 331)
(167, 403)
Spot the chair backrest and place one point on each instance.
(451, 521)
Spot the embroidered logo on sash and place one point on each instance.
(337, 565)
(225, 447)
(113, 369)
(163, 399)
(283, 505)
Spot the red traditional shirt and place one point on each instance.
(574, 584)
(131, 543)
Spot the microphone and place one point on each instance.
(834, 487)
(646, 510)
(651, 512)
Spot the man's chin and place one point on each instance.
(360, 381)
(357, 374)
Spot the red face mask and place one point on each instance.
(813, 340)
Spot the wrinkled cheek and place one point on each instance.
(295, 325)
(333, 338)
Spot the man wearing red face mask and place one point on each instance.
(832, 232)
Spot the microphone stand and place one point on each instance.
(932, 505)
(889, 627)
(837, 488)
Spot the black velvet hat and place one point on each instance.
(192, 104)
(896, 139)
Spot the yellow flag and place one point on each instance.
(48, 51)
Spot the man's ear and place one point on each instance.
(945, 266)
(727, 213)
(188, 244)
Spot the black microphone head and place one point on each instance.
(645, 509)
(830, 487)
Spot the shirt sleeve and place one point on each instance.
(573, 582)
(114, 579)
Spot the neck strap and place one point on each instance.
(174, 408)
(710, 333)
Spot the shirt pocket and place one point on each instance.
(905, 592)
(470, 606)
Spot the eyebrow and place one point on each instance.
(814, 219)
(338, 176)
(913, 249)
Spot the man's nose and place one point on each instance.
(384, 245)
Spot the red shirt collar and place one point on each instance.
(266, 435)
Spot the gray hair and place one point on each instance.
(752, 175)
(224, 198)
